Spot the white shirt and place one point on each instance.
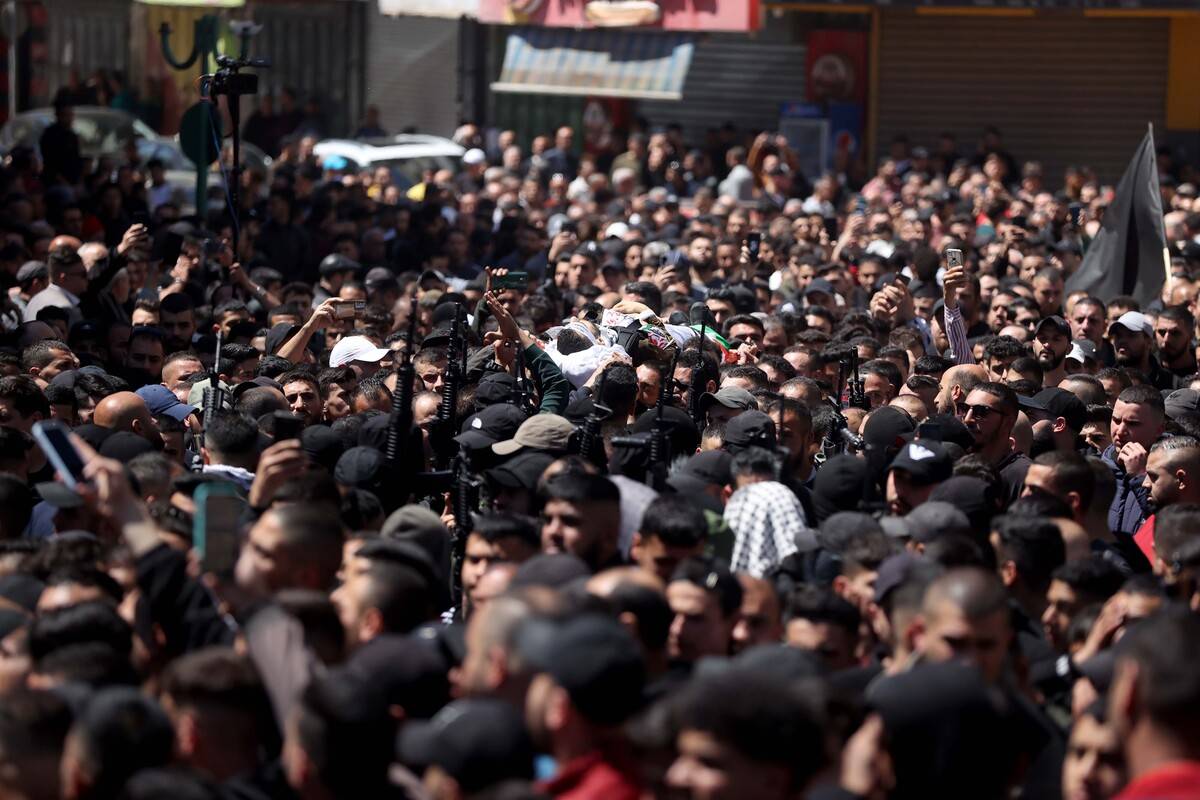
(53, 296)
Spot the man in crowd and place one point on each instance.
(367, 502)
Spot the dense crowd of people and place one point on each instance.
(666, 472)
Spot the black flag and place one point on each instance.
(1128, 255)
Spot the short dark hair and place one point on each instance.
(25, 395)
(220, 678)
(712, 575)
(759, 715)
(231, 435)
(757, 462)
(40, 353)
(314, 530)
(299, 376)
(495, 526)
(1094, 578)
(1033, 544)
(1071, 473)
(1178, 314)
(120, 732)
(1004, 347)
(675, 520)
(270, 366)
(1144, 395)
(818, 604)
(581, 487)
(883, 369)
(255, 402)
(1009, 403)
(401, 593)
(83, 623)
(931, 365)
(1173, 527)
(1166, 649)
(33, 725)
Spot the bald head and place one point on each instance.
(125, 411)
(957, 383)
(70, 242)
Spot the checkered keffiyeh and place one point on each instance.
(769, 524)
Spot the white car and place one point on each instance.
(407, 155)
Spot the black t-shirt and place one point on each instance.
(1012, 469)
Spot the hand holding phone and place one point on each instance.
(216, 527)
(350, 309)
(287, 426)
(53, 437)
(753, 244)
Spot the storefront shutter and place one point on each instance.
(1063, 90)
(733, 78)
(413, 71)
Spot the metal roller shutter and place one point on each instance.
(316, 48)
(412, 72)
(1063, 90)
(85, 35)
(735, 79)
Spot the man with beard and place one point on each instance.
(1173, 336)
(1051, 343)
(1132, 336)
(177, 319)
(989, 414)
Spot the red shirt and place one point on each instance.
(591, 777)
(1144, 538)
(1179, 780)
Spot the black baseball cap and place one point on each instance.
(322, 445)
(926, 462)
(521, 471)
(478, 741)
(593, 657)
(749, 429)
(495, 387)
(1061, 403)
(360, 467)
(495, 423)
(1057, 321)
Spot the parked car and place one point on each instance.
(407, 155)
(181, 173)
(102, 131)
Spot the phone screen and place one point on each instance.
(513, 280)
(52, 437)
(287, 426)
(216, 532)
(753, 243)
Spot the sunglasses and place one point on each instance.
(980, 412)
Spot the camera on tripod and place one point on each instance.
(229, 80)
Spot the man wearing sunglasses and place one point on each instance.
(989, 412)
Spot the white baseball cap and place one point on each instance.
(474, 156)
(356, 348)
(1135, 321)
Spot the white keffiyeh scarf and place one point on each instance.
(769, 525)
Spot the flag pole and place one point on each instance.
(1165, 252)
